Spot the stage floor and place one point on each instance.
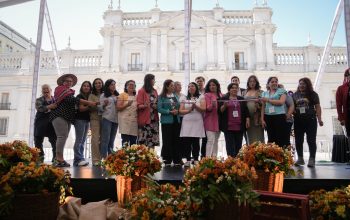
(92, 184)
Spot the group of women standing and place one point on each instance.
(203, 113)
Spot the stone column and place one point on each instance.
(260, 49)
(106, 48)
(154, 49)
(220, 49)
(164, 50)
(210, 49)
(116, 51)
(270, 60)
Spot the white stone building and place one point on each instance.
(223, 43)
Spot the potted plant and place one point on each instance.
(130, 164)
(330, 204)
(162, 202)
(14, 152)
(223, 189)
(271, 163)
(28, 188)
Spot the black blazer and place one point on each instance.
(223, 122)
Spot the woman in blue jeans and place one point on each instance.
(109, 117)
(81, 124)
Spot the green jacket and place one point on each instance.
(164, 107)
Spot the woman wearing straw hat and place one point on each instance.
(64, 115)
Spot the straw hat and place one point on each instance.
(61, 79)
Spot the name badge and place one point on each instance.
(235, 114)
(302, 110)
(272, 109)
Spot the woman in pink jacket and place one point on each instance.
(211, 118)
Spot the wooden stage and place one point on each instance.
(91, 184)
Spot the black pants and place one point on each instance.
(289, 129)
(129, 139)
(233, 141)
(347, 124)
(308, 126)
(191, 145)
(277, 129)
(171, 151)
(203, 146)
(38, 142)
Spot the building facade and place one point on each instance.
(223, 43)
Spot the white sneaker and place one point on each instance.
(83, 163)
(187, 163)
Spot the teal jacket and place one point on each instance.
(164, 108)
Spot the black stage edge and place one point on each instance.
(91, 184)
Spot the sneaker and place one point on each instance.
(311, 162)
(96, 164)
(82, 163)
(187, 164)
(195, 162)
(300, 161)
(61, 164)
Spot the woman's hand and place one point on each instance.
(263, 123)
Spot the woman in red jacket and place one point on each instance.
(147, 114)
(342, 100)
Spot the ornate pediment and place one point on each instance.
(180, 42)
(136, 41)
(239, 40)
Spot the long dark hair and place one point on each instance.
(81, 89)
(309, 89)
(257, 84)
(166, 84)
(196, 93)
(94, 90)
(106, 89)
(126, 86)
(218, 88)
(147, 85)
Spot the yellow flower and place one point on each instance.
(145, 216)
(340, 210)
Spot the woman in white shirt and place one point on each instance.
(109, 117)
(192, 128)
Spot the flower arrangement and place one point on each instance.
(31, 178)
(162, 202)
(134, 160)
(213, 182)
(330, 204)
(268, 157)
(14, 152)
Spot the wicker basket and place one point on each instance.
(269, 181)
(34, 207)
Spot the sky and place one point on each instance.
(81, 20)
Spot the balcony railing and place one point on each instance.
(182, 66)
(239, 66)
(134, 67)
(5, 106)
